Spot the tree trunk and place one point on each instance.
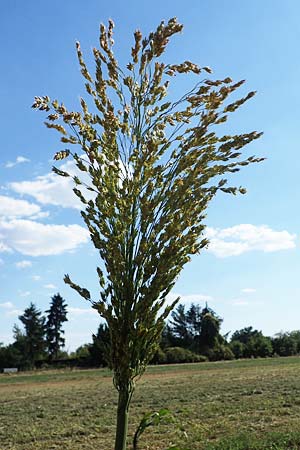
(122, 419)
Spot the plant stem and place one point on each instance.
(122, 418)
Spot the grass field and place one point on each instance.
(236, 405)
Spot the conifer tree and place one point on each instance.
(148, 167)
(56, 316)
(180, 327)
(34, 333)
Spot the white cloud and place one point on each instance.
(194, 298)
(51, 189)
(243, 302)
(24, 293)
(82, 311)
(4, 248)
(191, 298)
(10, 309)
(23, 264)
(13, 208)
(243, 238)
(49, 286)
(40, 215)
(31, 238)
(248, 290)
(19, 160)
(82, 315)
(240, 302)
(36, 277)
(7, 305)
(14, 312)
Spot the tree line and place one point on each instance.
(192, 334)
(40, 338)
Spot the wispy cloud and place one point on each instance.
(244, 238)
(14, 312)
(240, 302)
(82, 311)
(19, 160)
(49, 286)
(24, 293)
(4, 248)
(190, 298)
(246, 302)
(36, 277)
(23, 264)
(248, 290)
(7, 305)
(10, 310)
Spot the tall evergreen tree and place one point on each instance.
(180, 328)
(100, 348)
(34, 333)
(56, 316)
(195, 329)
(194, 321)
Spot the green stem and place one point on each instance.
(122, 419)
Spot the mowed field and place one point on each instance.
(234, 405)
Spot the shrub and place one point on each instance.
(159, 357)
(181, 355)
(238, 349)
(220, 352)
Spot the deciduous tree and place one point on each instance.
(152, 166)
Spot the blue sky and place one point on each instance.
(250, 273)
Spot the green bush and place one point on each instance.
(238, 349)
(159, 357)
(180, 355)
(220, 352)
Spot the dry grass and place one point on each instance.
(215, 405)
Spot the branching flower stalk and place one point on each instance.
(152, 167)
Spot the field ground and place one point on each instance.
(234, 405)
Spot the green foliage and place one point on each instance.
(181, 327)
(237, 348)
(260, 346)
(159, 357)
(82, 351)
(56, 316)
(244, 335)
(182, 355)
(11, 356)
(270, 441)
(33, 340)
(100, 348)
(219, 352)
(150, 420)
(209, 335)
(152, 167)
(247, 343)
(197, 330)
(286, 344)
